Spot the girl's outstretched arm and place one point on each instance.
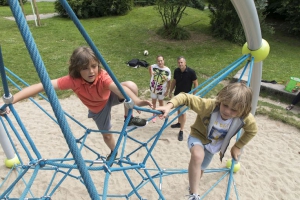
(31, 91)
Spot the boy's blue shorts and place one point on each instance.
(192, 141)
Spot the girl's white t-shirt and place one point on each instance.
(217, 134)
(159, 81)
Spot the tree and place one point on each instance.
(291, 10)
(171, 12)
(225, 22)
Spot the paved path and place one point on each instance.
(277, 89)
(33, 17)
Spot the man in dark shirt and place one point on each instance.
(183, 80)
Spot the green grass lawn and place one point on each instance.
(122, 38)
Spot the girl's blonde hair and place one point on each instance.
(80, 59)
(238, 96)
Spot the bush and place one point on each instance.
(198, 4)
(291, 10)
(95, 8)
(5, 2)
(226, 24)
(176, 33)
(120, 7)
(144, 2)
(171, 13)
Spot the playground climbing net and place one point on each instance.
(84, 158)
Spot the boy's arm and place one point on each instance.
(250, 130)
(31, 91)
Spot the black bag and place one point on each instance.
(133, 62)
(143, 63)
(137, 63)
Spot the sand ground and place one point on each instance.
(269, 164)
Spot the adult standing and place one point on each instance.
(183, 80)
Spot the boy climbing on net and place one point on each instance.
(217, 121)
(96, 90)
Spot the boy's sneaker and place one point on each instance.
(175, 125)
(180, 135)
(194, 197)
(109, 157)
(136, 121)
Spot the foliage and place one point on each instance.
(177, 33)
(271, 8)
(225, 22)
(5, 2)
(118, 43)
(261, 6)
(121, 7)
(95, 8)
(198, 4)
(291, 10)
(144, 2)
(171, 13)
(114, 37)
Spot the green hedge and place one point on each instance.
(95, 8)
(5, 2)
(226, 24)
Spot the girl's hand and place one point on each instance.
(235, 152)
(165, 110)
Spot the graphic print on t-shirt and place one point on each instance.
(217, 134)
(159, 81)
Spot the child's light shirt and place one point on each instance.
(217, 134)
(94, 95)
(159, 81)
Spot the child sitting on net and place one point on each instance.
(217, 121)
(96, 90)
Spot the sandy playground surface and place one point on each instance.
(269, 164)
